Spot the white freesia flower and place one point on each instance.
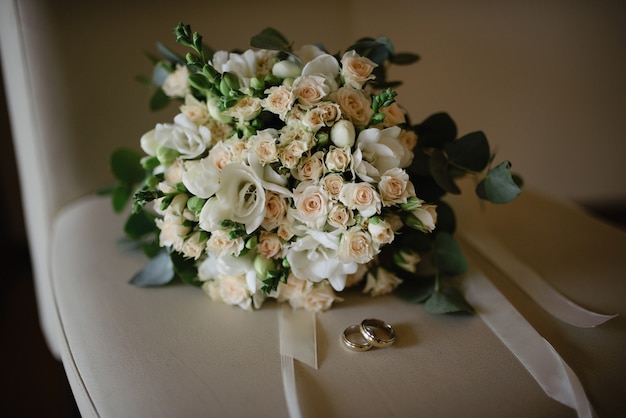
(242, 195)
(184, 136)
(249, 64)
(308, 53)
(378, 151)
(324, 65)
(201, 178)
(314, 257)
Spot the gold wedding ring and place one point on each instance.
(378, 333)
(354, 339)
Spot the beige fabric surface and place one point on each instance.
(173, 352)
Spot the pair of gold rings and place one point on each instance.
(369, 333)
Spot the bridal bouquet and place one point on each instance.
(294, 173)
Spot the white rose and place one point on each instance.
(356, 69)
(355, 245)
(314, 256)
(395, 187)
(176, 84)
(310, 90)
(338, 159)
(362, 197)
(311, 205)
(378, 151)
(342, 134)
(382, 283)
(242, 192)
(201, 178)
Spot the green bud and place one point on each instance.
(272, 80)
(180, 188)
(411, 204)
(262, 266)
(195, 204)
(252, 242)
(231, 80)
(166, 155)
(210, 73)
(149, 163)
(152, 181)
(285, 263)
(413, 222)
(224, 89)
(257, 84)
(322, 138)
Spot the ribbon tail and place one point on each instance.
(298, 340)
(533, 351)
(532, 283)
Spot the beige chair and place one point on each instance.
(69, 69)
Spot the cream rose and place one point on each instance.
(408, 139)
(333, 183)
(318, 298)
(279, 100)
(290, 154)
(427, 215)
(338, 159)
(357, 70)
(395, 187)
(194, 245)
(264, 146)
(310, 90)
(355, 245)
(382, 283)
(362, 197)
(219, 156)
(311, 168)
(275, 210)
(246, 109)
(394, 115)
(196, 111)
(311, 205)
(219, 244)
(355, 105)
(269, 245)
(173, 231)
(380, 231)
(340, 217)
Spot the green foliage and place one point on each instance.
(498, 186)
(448, 257)
(270, 38)
(447, 300)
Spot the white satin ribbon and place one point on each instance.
(533, 351)
(531, 282)
(298, 340)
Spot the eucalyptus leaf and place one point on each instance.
(270, 38)
(158, 271)
(448, 258)
(436, 130)
(139, 224)
(159, 100)
(498, 186)
(416, 289)
(404, 58)
(447, 300)
(440, 170)
(168, 54)
(126, 166)
(471, 151)
(446, 220)
(120, 196)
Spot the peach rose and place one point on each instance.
(362, 197)
(355, 245)
(355, 105)
(357, 70)
(333, 184)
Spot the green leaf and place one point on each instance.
(436, 130)
(416, 289)
(447, 300)
(126, 166)
(446, 220)
(186, 269)
(440, 170)
(270, 38)
(448, 258)
(120, 196)
(139, 224)
(200, 82)
(159, 100)
(157, 272)
(498, 186)
(471, 151)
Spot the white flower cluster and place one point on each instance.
(313, 197)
